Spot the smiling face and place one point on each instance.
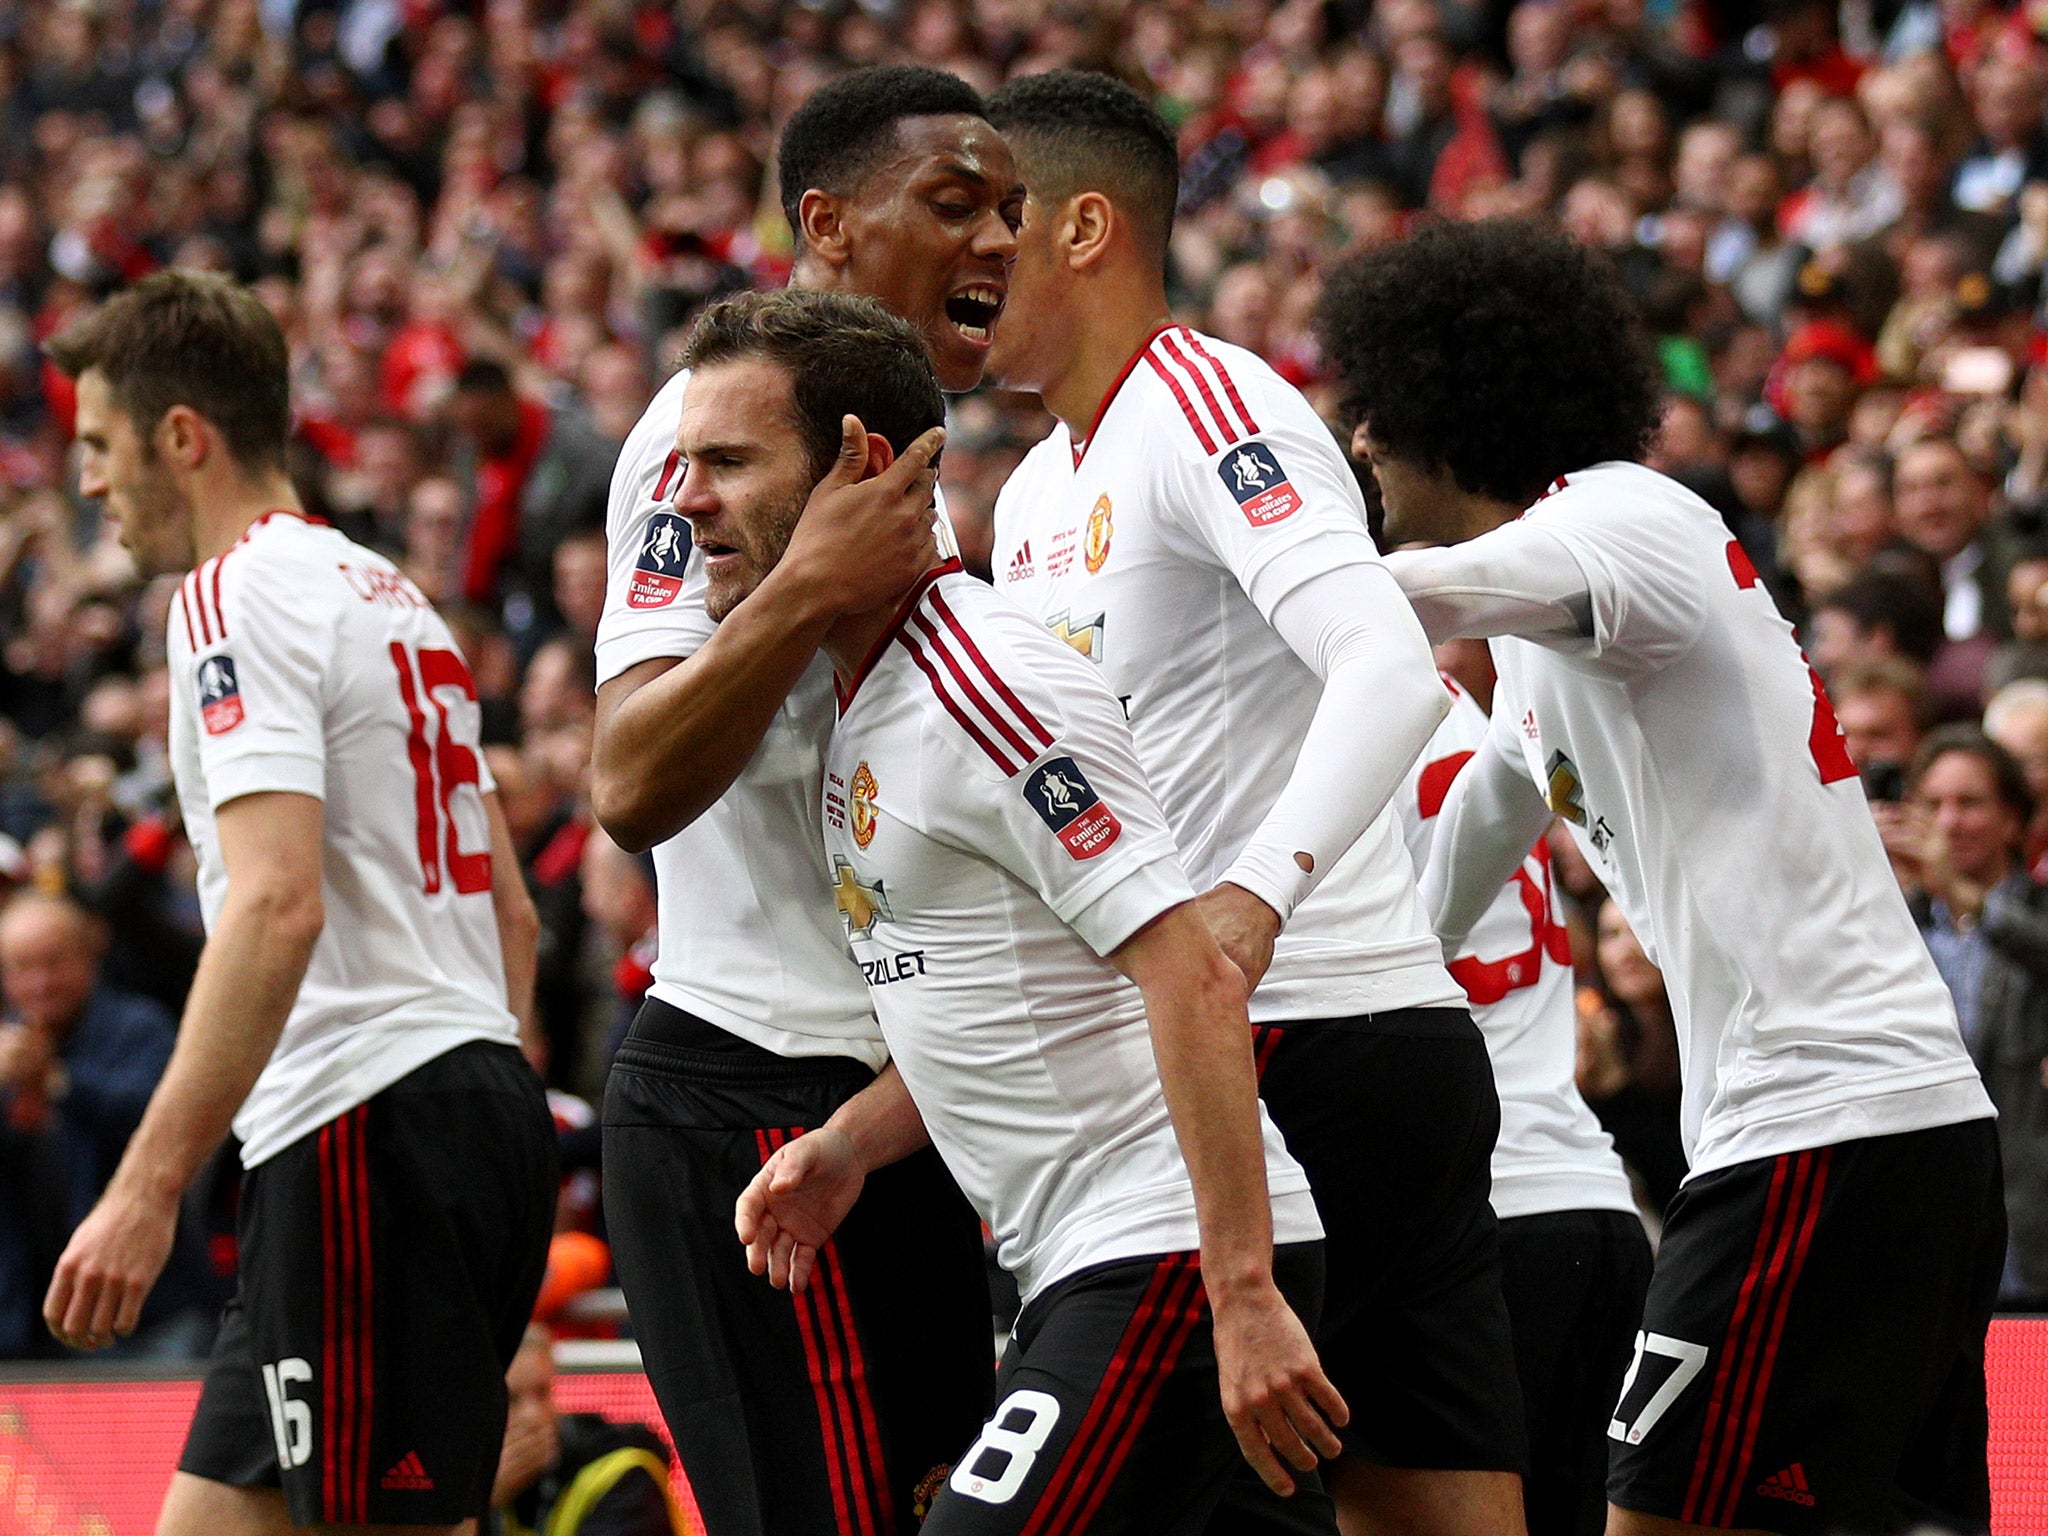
(931, 231)
(121, 468)
(1983, 833)
(748, 474)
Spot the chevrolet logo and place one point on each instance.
(1085, 637)
(1567, 795)
(861, 906)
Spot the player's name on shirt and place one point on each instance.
(304, 663)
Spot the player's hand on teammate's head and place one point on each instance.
(866, 532)
(795, 1204)
(1281, 1406)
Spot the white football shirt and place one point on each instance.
(303, 662)
(744, 940)
(1154, 550)
(1516, 969)
(1692, 750)
(992, 838)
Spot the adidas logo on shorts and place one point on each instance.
(411, 1476)
(1789, 1485)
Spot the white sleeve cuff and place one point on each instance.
(262, 772)
(1131, 903)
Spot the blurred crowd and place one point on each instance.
(483, 225)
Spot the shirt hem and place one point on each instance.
(1540, 1192)
(866, 1047)
(1916, 1107)
(1280, 999)
(374, 1056)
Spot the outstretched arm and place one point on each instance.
(249, 974)
(1381, 701)
(1516, 580)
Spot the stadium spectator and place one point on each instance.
(78, 1060)
(1628, 1058)
(575, 1474)
(2017, 719)
(1956, 844)
(1880, 704)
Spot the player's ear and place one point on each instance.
(1087, 224)
(181, 434)
(818, 213)
(880, 455)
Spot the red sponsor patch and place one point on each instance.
(1091, 832)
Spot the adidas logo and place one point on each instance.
(411, 1476)
(1789, 1485)
(1020, 566)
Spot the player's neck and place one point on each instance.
(224, 506)
(1110, 329)
(852, 639)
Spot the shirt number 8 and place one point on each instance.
(996, 1465)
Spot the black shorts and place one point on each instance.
(1574, 1282)
(389, 1264)
(1812, 1353)
(1109, 1420)
(1393, 1117)
(837, 1411)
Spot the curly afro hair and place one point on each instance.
(1502, 351)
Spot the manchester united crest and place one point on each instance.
(1095, 549)
(861, 796)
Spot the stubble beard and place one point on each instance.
(764, 550)
(158, 529)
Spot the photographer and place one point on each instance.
(1956, 844)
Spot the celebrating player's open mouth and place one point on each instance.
(974, 310)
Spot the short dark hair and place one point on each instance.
(195, 339)
(846, 356)
(2007, 776)
(847, 126)
(1895, 599)
(1076, 130)
(1502, 351)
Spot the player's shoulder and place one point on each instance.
(286, 564)
(981, 673)
(655, 431)
(1627, 497)
(1052, 456)
(1464, 727)
(1208, 397)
